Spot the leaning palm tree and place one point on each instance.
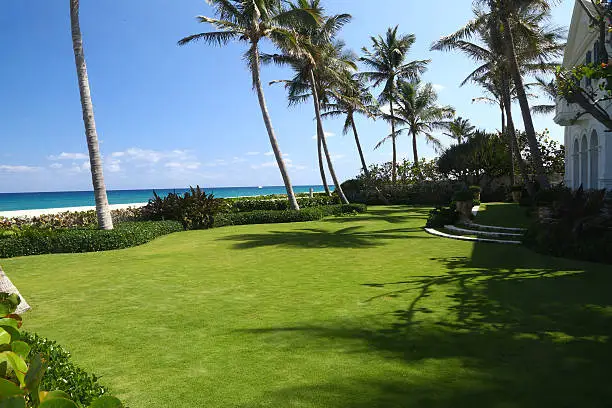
(352, 98)
(103, 212)
(460, 129)
(319, 63)
(420, 114)
(550, 92)
(251, 21)
(386, 62)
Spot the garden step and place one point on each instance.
(472, 239)
(494, 228)
(482, 233)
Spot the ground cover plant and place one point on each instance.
(360, 311)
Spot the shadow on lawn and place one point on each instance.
(504, 328)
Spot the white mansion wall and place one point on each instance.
(588, 151)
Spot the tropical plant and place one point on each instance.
(21, 371)
(95, 159)
(460, 129)
(419, 113)
(251, 21)
(386, 63)
(318, 62)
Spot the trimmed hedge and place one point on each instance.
(257, 204)
(36, 241)
(284, 216)
(62, 374)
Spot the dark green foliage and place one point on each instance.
(36, 241)
(194, 210)
(257, 204)
(463, 195)
(420, 193)
(580, 226)
(61, 373)
(441, 216)
(284, 216)
(475, 189)
(517, 188)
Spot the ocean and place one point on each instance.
(64, 199)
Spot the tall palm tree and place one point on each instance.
(251, 21)
(319, 63)
(386, 62)
(420, 114)
(550, 92)
(103, 212)
(350, 99)
(460, 129)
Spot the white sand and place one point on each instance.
(36, 213)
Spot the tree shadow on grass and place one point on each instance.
(527, 331)
(314, 238)
(393, 215)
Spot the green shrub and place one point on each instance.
(25, 361)
(284, 216)
(463, 195)
(36, 241)
(442, 216)
(475, 189)
(69, 219)
(258, 204)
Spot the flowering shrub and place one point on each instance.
(83, 219)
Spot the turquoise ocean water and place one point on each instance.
(63, 199)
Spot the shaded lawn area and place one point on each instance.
(354, 312)
(504, 215)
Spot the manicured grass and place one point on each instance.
(504, 215)
(356, 312)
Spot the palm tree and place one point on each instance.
(103, 212)
(251, 21)
(549, 89)
(387, 64)
(460, 129)
(352, 98)
(418, 111)
(319, 64)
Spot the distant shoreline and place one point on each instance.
(48, 211)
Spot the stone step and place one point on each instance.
(483, 233)
(494, 228)
(441, 234)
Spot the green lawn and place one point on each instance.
(354, 312)
(504, 215)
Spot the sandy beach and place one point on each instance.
(36, 213)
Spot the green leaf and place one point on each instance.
(5, 337)
(17, 363)
(34, 376)
(21, 348)
(44, 395)
(11, 326)
(58, 403)
(12, 402)
(106, 402)
(9, 389)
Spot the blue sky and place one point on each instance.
(170, 116)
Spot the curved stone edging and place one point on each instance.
(492, 234)
(440, 234)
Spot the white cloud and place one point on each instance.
(183, 166)
(5, 168)
(238, 160)
(269, 153)
(253, 154)
(114, 166)
(69, 156)
(439, 87)
(327, 135)
(118, 154)
(337, 156)
(56, 165)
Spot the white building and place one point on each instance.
(588, 147)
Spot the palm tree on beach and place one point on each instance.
(103, 212)
(386, 62)
(460, 129)
(251, 21)
(350, 99)
(319, 63)
(419, 113)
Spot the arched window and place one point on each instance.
(584, 162)
(576, 165)
(594, 162)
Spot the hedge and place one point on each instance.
(62, 374)
(36, 241)
(257, 204)
(284, 216)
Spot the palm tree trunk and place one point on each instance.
(321, 133)
(266, 117)
(105, 220)
(509, 141)
(524, 103)
(512, 138)
(321, 166)
(415, 151)
(358, 143)
(394, 163)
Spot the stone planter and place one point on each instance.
(464, 208)
(516, 196)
